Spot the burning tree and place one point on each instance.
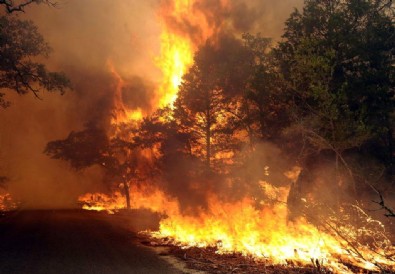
(120, 157)
(328, 70)
(207, 103)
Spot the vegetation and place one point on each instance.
(324, 94)
(20, 45)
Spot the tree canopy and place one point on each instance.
(20, 45)
(337, 60)
(19, 6)
(324, 95)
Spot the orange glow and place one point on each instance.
(7, 203)
(264, 234)
(259, 229)
(121, 113)
(179, 43)
(176, 53)
(176, 57)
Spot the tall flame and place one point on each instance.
(176, 57)
(122, 113)
(184, 28)
(176, 54)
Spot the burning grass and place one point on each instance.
(208, 260)
(261, 236)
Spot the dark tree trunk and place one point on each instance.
(262, 123)
(391, 151)
(208, 133)
(208, 146)
(127, 194)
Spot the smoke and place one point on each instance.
(85, 36)
(211, 17)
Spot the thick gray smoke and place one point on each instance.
(88, 37)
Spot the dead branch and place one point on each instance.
(11, 7)
(381, 203)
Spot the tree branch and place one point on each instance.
(11, 7)
(381, 203)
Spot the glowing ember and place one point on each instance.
(7, 203)
(102, 202)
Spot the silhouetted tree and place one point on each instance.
(119, 156)
(20, 45)
(19, 6)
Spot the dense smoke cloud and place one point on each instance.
(211, 17)
(85, 37)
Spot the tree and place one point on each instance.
(338, 60)
(265, 102)
(207, 100)
(11, 7)
(20, 44)
(119, 156)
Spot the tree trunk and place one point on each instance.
(208, 131)
(391, 151)
(208, 141)
(262, 123)
(127, 194)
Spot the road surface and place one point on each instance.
(73, 242)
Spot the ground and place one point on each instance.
(76, 241)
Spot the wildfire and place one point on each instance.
(7, 203)
(122, 113)
(175, 58)
(264, 233)
(178, 43)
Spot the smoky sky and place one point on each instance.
(86, 37)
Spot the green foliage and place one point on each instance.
(264, 102)
(20, 45)
(337, 59)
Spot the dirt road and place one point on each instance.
(73, 241)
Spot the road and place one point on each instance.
(73, 241)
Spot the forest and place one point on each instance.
(299, 130)
(322, 100)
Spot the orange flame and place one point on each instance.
(264, 234)
(178, 43)
(176, 53)
(122, 113)
(7, 203)
(240, 227)
(176, 57)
